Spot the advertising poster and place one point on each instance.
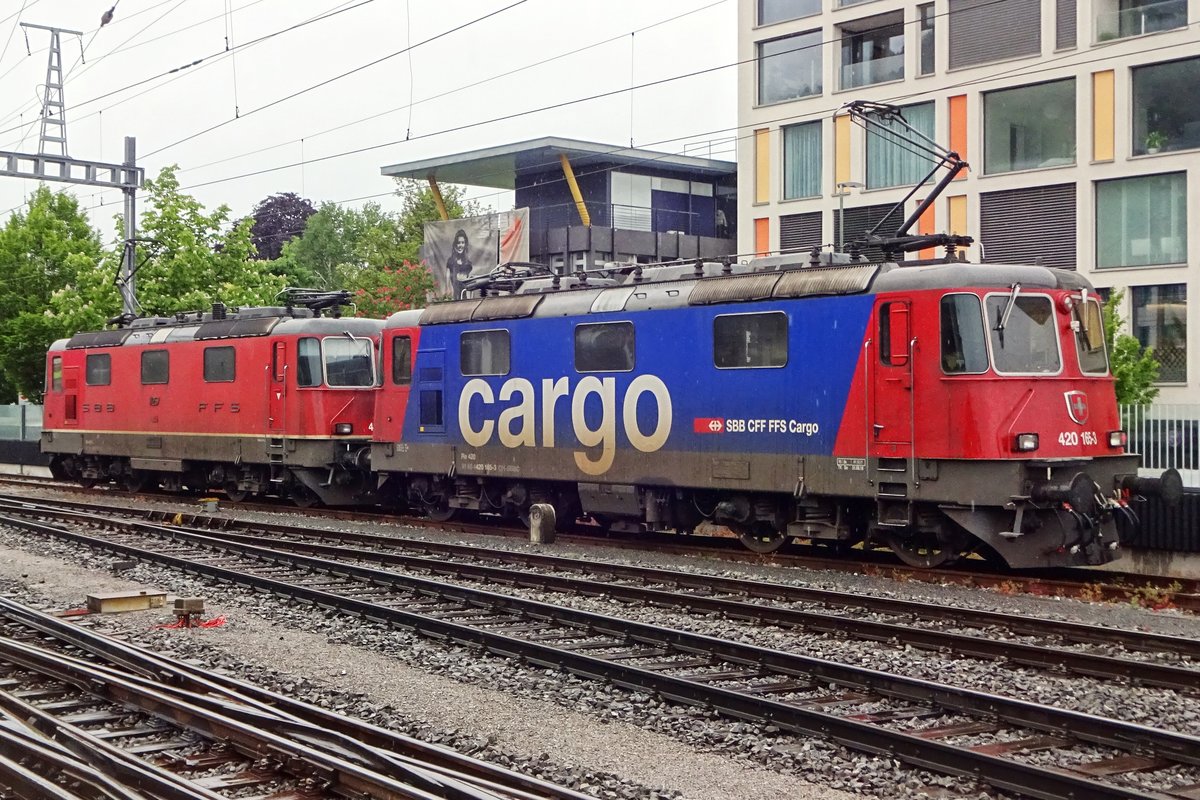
(458, 249)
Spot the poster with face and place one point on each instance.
(458, 249)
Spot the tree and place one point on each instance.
(419, 207)
(1134, 367)
(41, 251)
(276, 221)
(186, 259)
(389, 289)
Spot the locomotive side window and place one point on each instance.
(156, 366)
(98, 371)
(349, 362)
(218, 364)
(308, 362)
(484, 353)
(1089, 339)
(56, 373)
(1022, 333)
(750, 341)
(402, 360)
(604, 347)
(964, 346)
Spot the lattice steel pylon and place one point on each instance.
(54, 118)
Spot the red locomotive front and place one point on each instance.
(259, 401)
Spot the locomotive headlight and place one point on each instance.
(1117, 438)
(1027, 442)
(343, 429)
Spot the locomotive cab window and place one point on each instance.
(1089, 338)
(156, 367)
(402, 360)
(308, 362)
(1022, 334)
(349, 362)
(98, 370)
(484, 352)
(56, 383)
(604, 347)
(964, 344)
(218, 364)
(750, 341)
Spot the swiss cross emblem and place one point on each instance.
(1077, 406)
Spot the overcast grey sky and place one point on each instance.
(470, 62)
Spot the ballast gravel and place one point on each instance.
(618, 742)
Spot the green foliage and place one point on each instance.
(1133, 366)
(358, 248)
(41, 251)
(383, 291)
(186, 259)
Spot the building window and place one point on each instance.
(872, 51)
(927, 61)
(1141, 221)
(1029, 127)
(98, 370)
(983, 31)
(789, 67)
(308, 362)
(749, 341)
(1029, 226)
(772, 11)
(1160, 120)
(606, 347)
(800, 232)
(219, 364)
(1118, 19)
(156, 366)
(802, 160)
(402, 360)
(1160, 321)
(484, 353)
(891, 161)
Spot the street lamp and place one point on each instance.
(843, 188)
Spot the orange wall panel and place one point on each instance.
(1103, 116)
(762, 236)
(926, 224)
(841, 149)
(958, 128)
(762, 166)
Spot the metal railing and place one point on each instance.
(21, 423)
(877, 70)
(1147, 18)
(1165, 435)
(626, 218)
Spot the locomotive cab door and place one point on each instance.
(277, 401)
(892, 407)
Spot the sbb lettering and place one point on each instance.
(519, 422)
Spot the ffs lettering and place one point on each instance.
(520, 418)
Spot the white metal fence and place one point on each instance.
(22, 423)
(1166, 435)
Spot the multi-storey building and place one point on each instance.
(1080, 120)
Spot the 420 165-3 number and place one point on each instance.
(1073, 438)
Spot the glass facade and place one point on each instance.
(789, 67)
(1160, 322)
(1141, 221)
(1160, 120)
(927, 61)
(891, 162)
(1029, 127)
(772, 11)
(872, 56)
(802, 160)
(1120, 19)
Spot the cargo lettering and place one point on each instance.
(518, 423)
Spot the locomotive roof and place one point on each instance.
(678, 288)
(251, 322)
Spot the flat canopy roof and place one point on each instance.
(497, 167)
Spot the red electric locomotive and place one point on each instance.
(275, 401)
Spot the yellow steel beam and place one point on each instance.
(437, 197)
(579, 204)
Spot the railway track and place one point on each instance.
(85, 716)
(999, 740)
(1092, 584)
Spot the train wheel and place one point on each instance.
(440, 511)
(136, 481)
(235, 494)
(921, 551)
(761, 538)
(303, 498)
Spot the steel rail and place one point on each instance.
(1003, 773)
(172, 675)
(1142, 672)
(249, 730)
